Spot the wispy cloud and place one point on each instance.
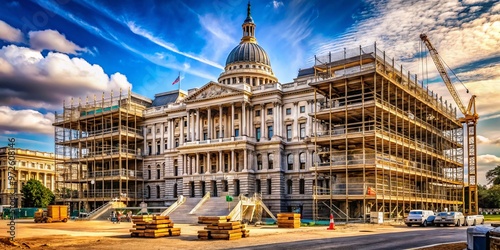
(109, 36)
(169, 46)
(25, 121)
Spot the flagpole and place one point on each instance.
(180, 81)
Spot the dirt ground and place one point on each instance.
(106, 235)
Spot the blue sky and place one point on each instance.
(52, 50)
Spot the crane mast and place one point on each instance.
(470, 120)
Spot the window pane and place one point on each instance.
(288, 111)
(302, 109)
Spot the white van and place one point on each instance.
(418, 217)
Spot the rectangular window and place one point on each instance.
(176, 143)
(288, 132)
(236, 132)
(185, 123)
(302, 130)
(205, 135)
(302, 109)
(166, 145)
(270, 111)
(269, 186)
(288, 111)
(302, 186)
(257, 113)
(257, 186)
(259, 164)
(236, 116)
(270, 132)
(257, 134)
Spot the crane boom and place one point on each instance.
(470, 119)
(444, 75)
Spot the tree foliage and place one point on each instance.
(489, 198)
(493, 176)
(35, 194)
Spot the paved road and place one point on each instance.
(410, 238)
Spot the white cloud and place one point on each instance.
(485, 140)
(485, 163)
(219, 35)
(10, 34)
(29, 79)
(53, 40)
(459, 35)
(277, 4)
(25, 121)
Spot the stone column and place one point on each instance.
(209, 166)
(153, 143)
(184, 165)
(51, 182)
(181, 140)
(232, 119)
(162, 140)
(245, 160)
(220, 135)
(295, 122)
(263, 133)
(197, 164)
(197, 129)
(233, 163)
(188, 125)
(169, 137)
(243, 119)
(145, 134)
(309, 117)
(209, 122)
(251, 129)
(221, 161)
(44, 180)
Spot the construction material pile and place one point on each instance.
(223, 230)
(289, 220)
(213, 219)
(153, 226)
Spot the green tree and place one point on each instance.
(35, 194)
(493, 176)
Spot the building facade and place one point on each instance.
(351, 135)
(29, 165)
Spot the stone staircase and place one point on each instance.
(215, 206)
(181, 214)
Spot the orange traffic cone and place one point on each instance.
(332, 223)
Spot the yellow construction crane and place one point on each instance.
(470, 119)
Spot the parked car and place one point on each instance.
(418, 217)
(472, 220)
(449, 218)
(430, 220)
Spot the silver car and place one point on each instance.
(450, 218)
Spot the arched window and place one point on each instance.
(149, 172)
(148, 193)
(157, 192)
(289, 184)
(302, 158)
(259, 162)
(289, 160)
(270, 158)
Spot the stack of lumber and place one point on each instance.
(153, 226)
(213, 219)
(224, 231)
(288, 220)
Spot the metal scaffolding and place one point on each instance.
(384, 142)
(98, 147)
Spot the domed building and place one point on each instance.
(337, 138)
(248, 62)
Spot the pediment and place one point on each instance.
(213, 90)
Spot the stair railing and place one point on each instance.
(203, 200)
(98, 209)
(174, 206)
